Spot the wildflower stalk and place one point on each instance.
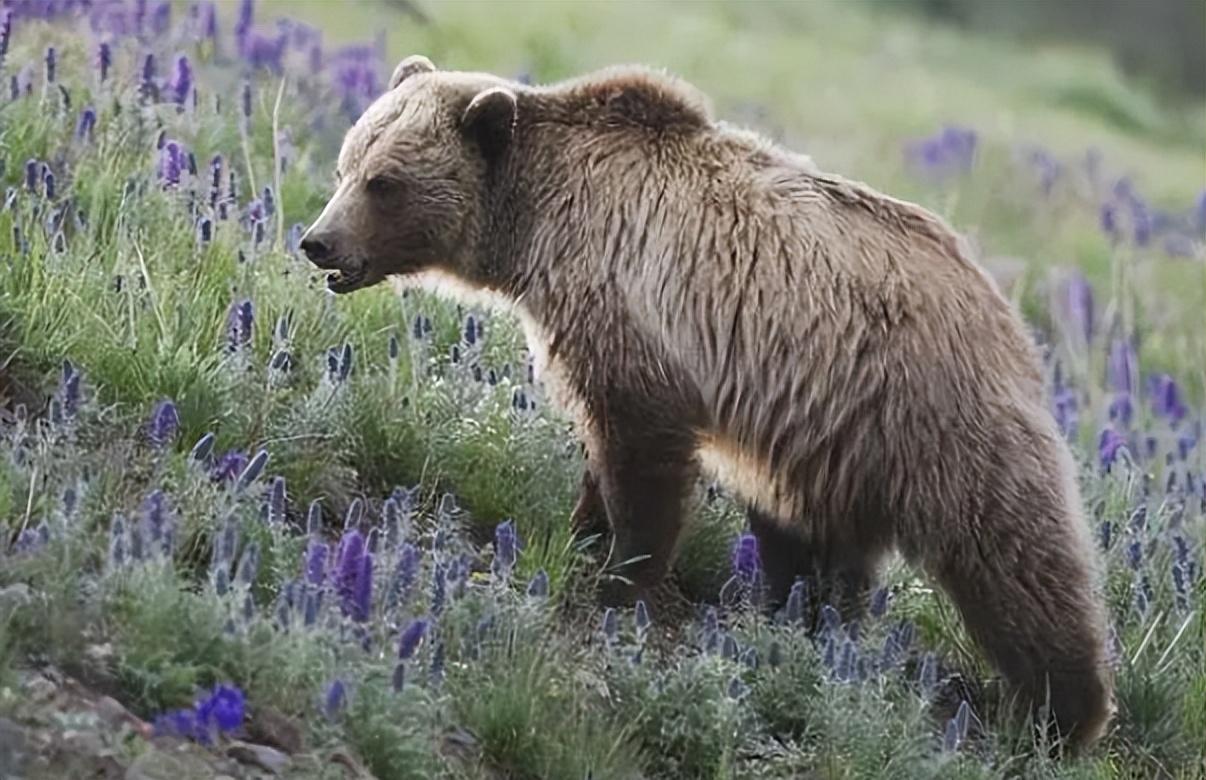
(276, 166)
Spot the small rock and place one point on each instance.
(272, 727)
(113, 713)
(157, 765)
(262, 756)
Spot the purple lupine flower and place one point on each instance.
(1122, 409)
(1108, 217)
(249, 564)
(950, 152)
(155, 515)
(350, 562)
(6, 32)
(86, 124)
(262, 52)
(879, 602)
(361, 602)
(243, 23)
(314, 518)
(506, 544)
(239, 322)
(245, 102)
(202, 449)
(161, 19)
(610, 625)
(436, 673)
(209, 21)
(1141, 222)
(957, 728)
(747, 564)
(104, 60)
(254, 468)
(1064, 408)
(1134, 554)
(228, 466)
(406, 571)
(31, 175)
(51, 64)
(1109, 446)
(411, 638)
(641, 619)
(276, 501)
(69, 389)
(794, 610)
(1079, 296)
(470, 335)
(147, 87)
(1166, 398)
(1122, 365)
(1104, 534)
(397, 680)
(335, 698)
(831, 619)
(205, 230)
(170, 159)
(316, 561)
(48, 185)
(181, 86)
(164, 423)
(439, 588)
(117, 541)
(538, 587)
(729, 649)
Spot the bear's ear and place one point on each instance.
(416, 63)
(489, 119)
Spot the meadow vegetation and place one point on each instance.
(352, 513)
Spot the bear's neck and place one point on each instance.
(578, 213)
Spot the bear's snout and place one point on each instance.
(318, 249)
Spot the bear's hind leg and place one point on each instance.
(1027, 599)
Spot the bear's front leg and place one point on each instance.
(589, 517)
(643, 461)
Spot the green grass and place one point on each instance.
(509, 684)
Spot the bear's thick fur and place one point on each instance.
(700, 298)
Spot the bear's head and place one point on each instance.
(410, 192)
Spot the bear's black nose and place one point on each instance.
(316, 249)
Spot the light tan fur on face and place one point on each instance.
(705, 297)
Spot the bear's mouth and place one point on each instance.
(340, 282)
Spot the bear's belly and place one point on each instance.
(750, 478)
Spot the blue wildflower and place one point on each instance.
(794, 610)
(539, 585)
(747, 563)
(1110, 445)
(1122, 409)
(506, 544)
(276, 502)
(239, 323)
(610, 625)
(254, 468)
(86, 125)
(104, 61)
(411, 638)
(1079, 295)
(181, 86)
(335, 699)
(164, 423)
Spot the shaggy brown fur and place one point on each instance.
(698, 298)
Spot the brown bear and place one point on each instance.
(697, 298)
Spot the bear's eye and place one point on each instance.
(379, 185)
